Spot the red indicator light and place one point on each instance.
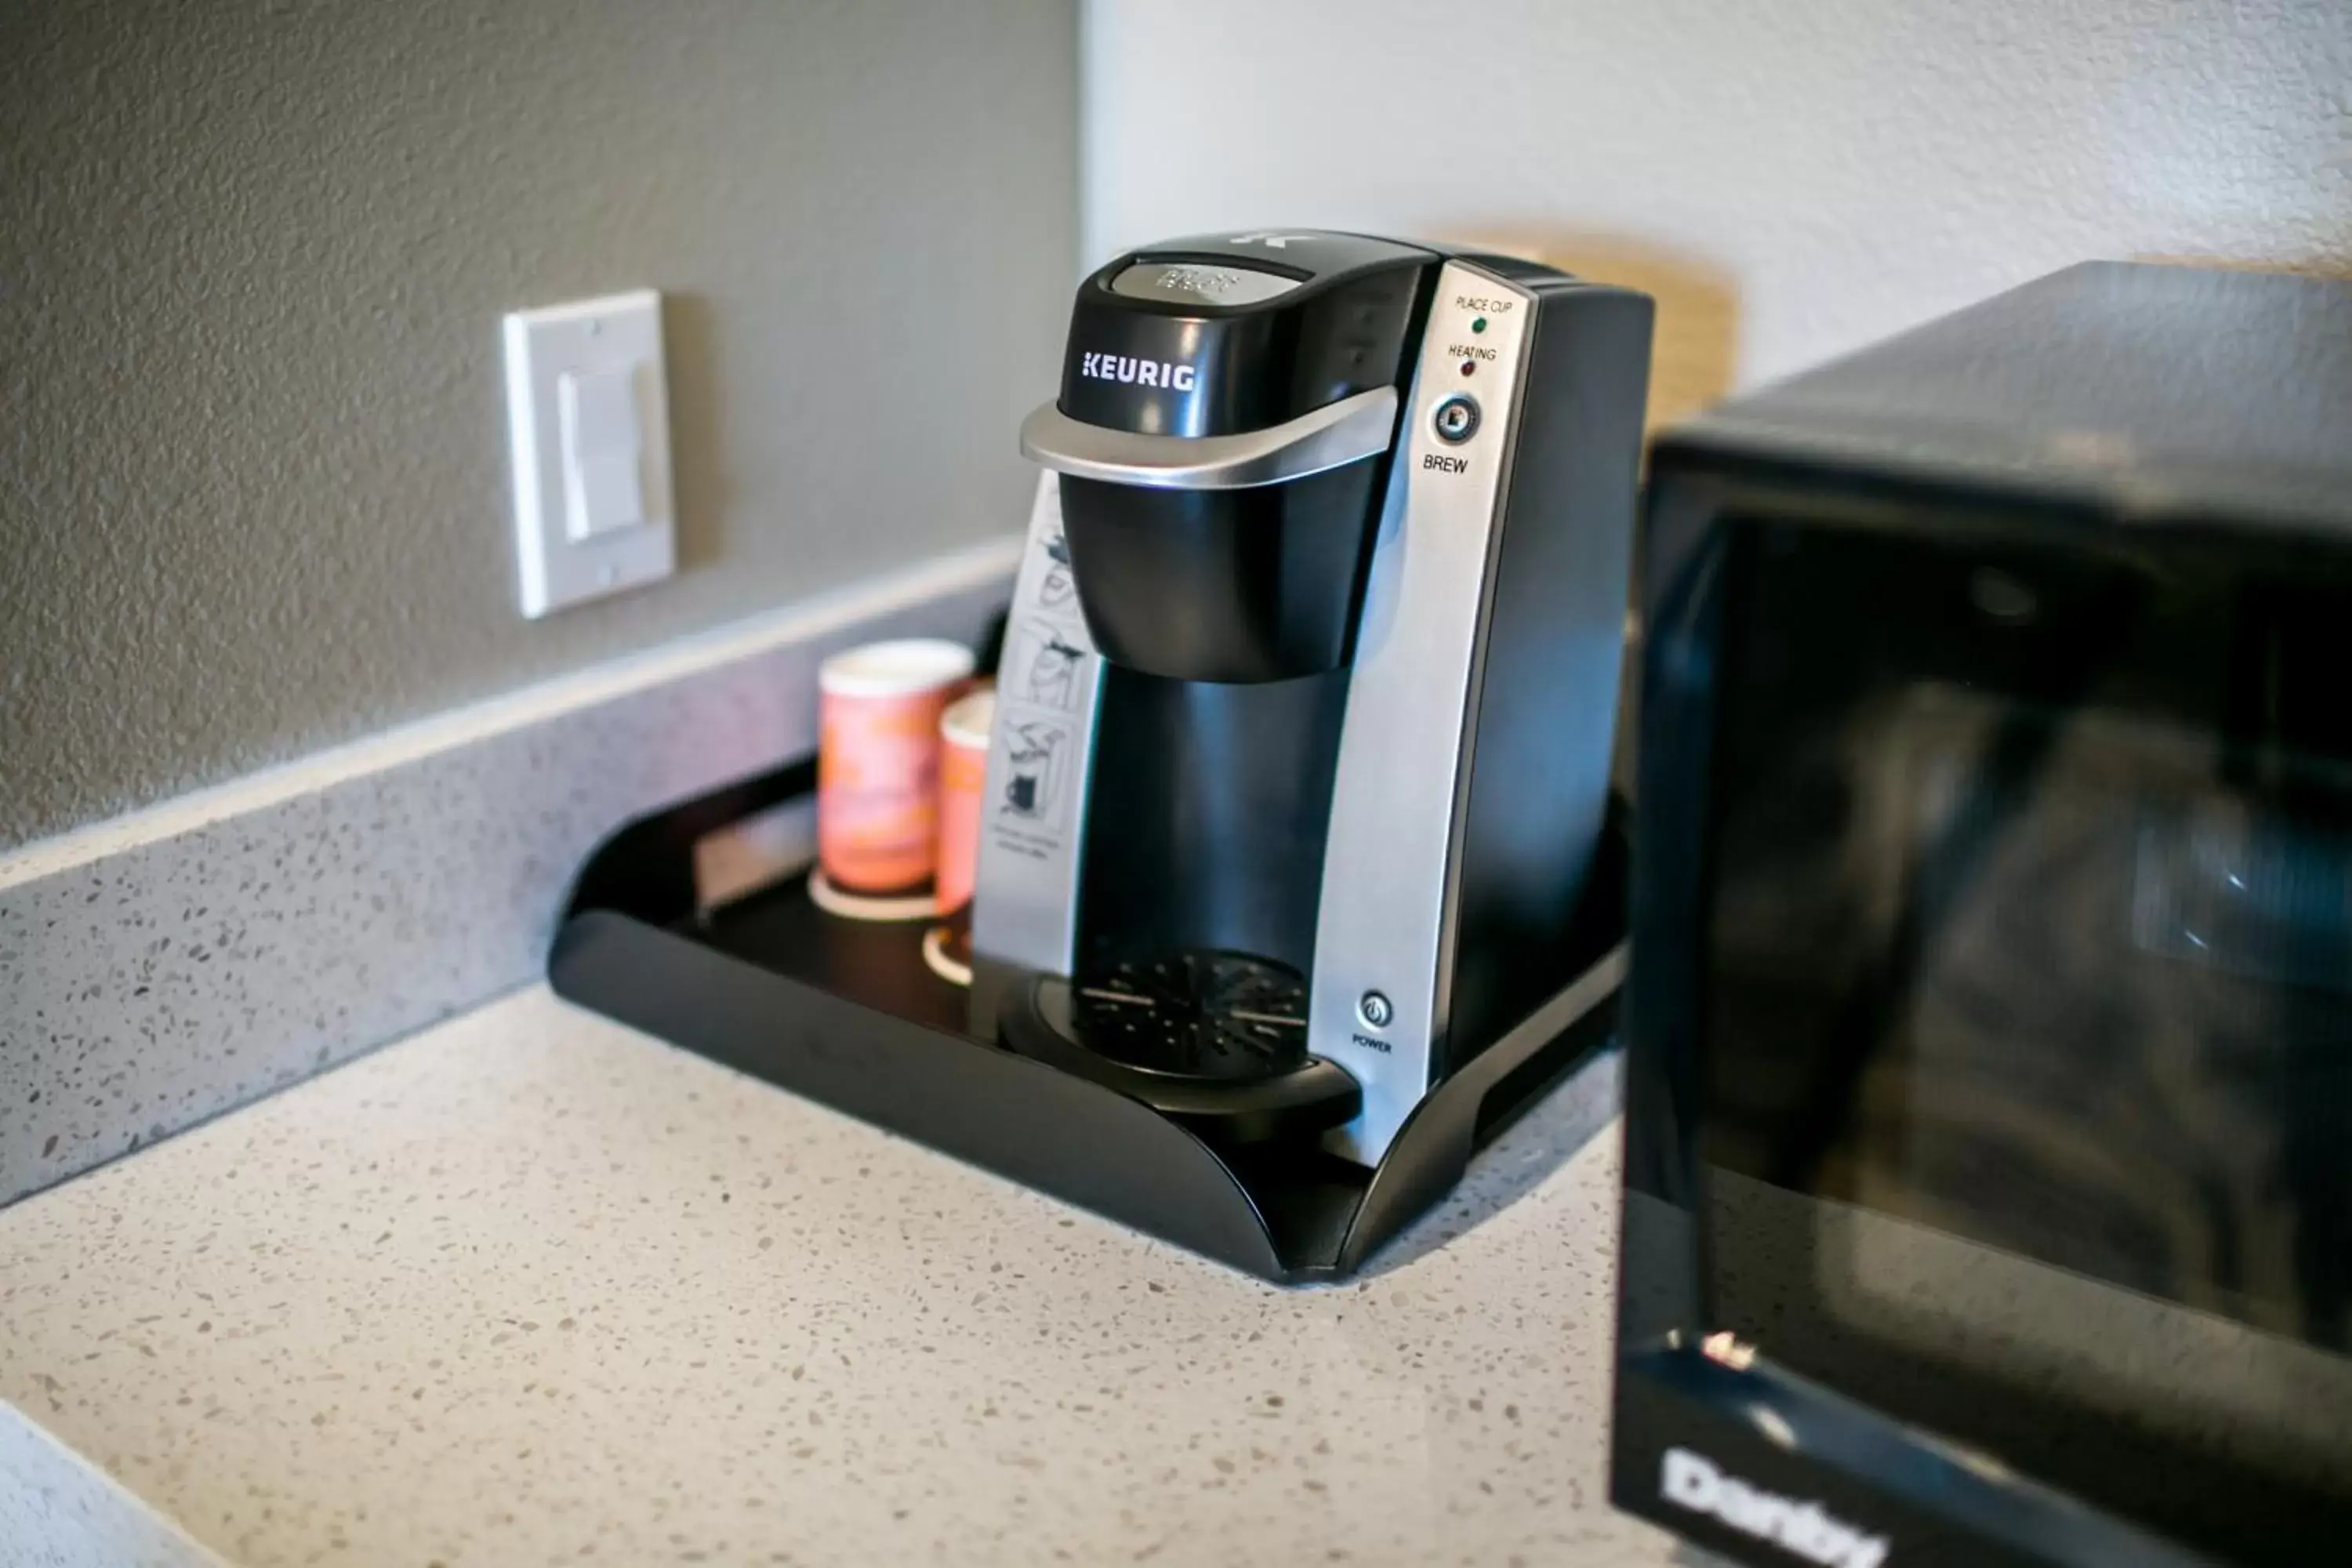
(1469, 367)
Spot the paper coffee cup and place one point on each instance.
(877, 772)
(963, 772)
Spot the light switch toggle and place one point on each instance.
(601, 431)
(588, 430)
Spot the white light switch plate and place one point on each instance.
(588, 423)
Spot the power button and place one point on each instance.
(1456, 419)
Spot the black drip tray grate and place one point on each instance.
(1224, 1017)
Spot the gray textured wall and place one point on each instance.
(252, 258)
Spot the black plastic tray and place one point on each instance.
(849, 1014)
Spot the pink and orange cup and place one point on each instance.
(963, 774)
(879, 755)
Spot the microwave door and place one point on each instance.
(2027, 1102)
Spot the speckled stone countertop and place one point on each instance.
(532, 1287)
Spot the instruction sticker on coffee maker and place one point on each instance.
(1044, 668)
(1045, 689)
(1033, 784)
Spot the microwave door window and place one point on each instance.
(2029, 1038)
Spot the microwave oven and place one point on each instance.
(1988, 1162)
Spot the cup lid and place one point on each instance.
(970, 717)
(897, 669)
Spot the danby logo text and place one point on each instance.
(1694, 1481)
(1136, 372)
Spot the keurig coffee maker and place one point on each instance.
(1311, 674)
(1297, 873)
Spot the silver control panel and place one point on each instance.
(1381, 994)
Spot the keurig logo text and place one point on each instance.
(1136, 372)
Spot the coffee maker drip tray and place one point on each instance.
(1220, 1015)
(1175, 1096)
(1215, 1041)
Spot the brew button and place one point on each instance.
(1457, 418)
(1375, 1009)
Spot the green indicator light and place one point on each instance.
(1479, 325)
